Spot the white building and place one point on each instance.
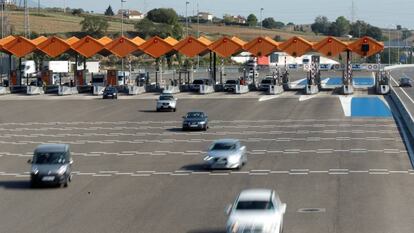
(205, 16)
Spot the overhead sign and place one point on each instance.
(292, 66)
(356, 67)
(325, 66)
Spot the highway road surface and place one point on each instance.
(136, 171)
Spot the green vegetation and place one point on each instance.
(94, 26)
(161, 22)
(109, 11)
(252, 20)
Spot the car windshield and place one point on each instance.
(231, 82)
(110, 89)
(49, 158)
(198, 82)
(195, 115)
(223, 146)
(254, 205)
(166, 97)
(266, 81)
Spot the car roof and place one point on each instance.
(255, 194)
(226, 140)
(52, 148)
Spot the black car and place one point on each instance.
(195, 120)
(405, 82)
(230, 85)
(110, 93)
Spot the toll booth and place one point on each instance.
(314, 77)
(111, 78)
(277, 85)
(80, 78)
(47, 77)
(15, 79)
(382, 82)
(99, 82)
(347, 87)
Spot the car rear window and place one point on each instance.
(266, 81)
(198, 82)
(231, 82)
(223, 146)
(166, 97)
(254, 205)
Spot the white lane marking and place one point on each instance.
(306, 97)
(346, 104)
(102, 175)
(269, 97)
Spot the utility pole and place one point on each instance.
(2, 18)
(122, 34)
(198, 33)
(38, 6)
(64, 6)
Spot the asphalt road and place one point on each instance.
(405, 93)
(135, 171)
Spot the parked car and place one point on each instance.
(195, 120)
(110, 93)
(256, 210)
(167, 102)
(226, 154)
(51, 164)
(405, 82)
(266, 83)
(195, 86)
(230, 85)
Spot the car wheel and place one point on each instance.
(33, 184)
(158, 109)
(175, 110)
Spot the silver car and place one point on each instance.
(256, 210)
(167, 102)
(226, 154)
(51, 164)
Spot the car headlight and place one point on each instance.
(61, 170)
(234, 227)
(202, 122)
(35, 171)
(208, 158)
(268, 227)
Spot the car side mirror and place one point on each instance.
(71, 161)
(243, 148)
(29, 161)
(283, 208)
(228, 209)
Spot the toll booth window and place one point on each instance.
(274, 58)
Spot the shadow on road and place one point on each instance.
(15, 184)
(195, 167)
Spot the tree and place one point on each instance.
(277, 38)
(290, 24)
(228, 19)
(269, 23)
(109, 11)
(279, 25)
(361, 28)
(94, 25)
(252, 20)
(399, 27)
(321, 25)
(340, 27)
(147, 28)
(77, 12)
(163, 15)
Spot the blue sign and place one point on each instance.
(324, 67)
(293, 66)
(356, 67)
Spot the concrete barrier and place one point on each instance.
(275, 89)
(135, 90)
(347, 89)
(4, 90)
(98, 90)
(206, 89)
(405, 114)
(383, 89)
(311, 89)
(171, 89)
(65, 90)
(241, 89)
(34, 90)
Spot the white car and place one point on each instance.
(167, 102)
(256, 210)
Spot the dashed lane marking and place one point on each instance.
(291, 172)
(394, 152)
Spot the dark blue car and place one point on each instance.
(195, 121)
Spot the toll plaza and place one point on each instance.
(315, 75)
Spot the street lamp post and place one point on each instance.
(261, 19)
(186, 16)
(122, 34)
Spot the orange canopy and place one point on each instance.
(53, 46)
(330, 46)
(19, 46)
(261, 46)
(372, 45)
(122, 47)
(191, 47)
(156, 47)
(296, 46)
(87, 46)
(226, 47)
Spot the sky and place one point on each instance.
(379, 13)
